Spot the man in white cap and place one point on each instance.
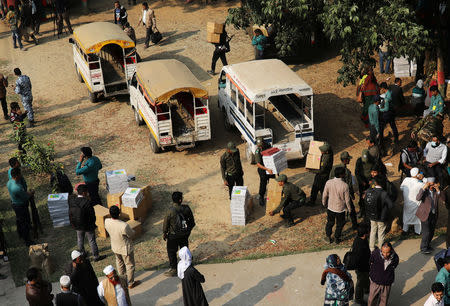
(67, 297)
(113, 289)
(83, 278)
(410, 187)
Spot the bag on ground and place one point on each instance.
(156, 37)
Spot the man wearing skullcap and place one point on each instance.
(67, 297)
(113, 289)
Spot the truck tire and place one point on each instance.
(154, 146)
(226, 123)
(79, 77)
(138, 117)
(249, 155)
(92, 96)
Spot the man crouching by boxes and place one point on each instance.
(292, 198)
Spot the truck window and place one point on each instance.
(233, 94)
(241, 102)
(249, 112)
(259, 116)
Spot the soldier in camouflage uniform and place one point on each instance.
(23, 88)
(424, 130)
(363, 168)
(231, 168)
(321, 178)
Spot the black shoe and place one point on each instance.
(283, 216)
(328, 240)
(101, 257)
(290, 224)
(211, 72)
(338, 240)
(427, 251)
(6, 117)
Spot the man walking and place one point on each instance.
(121, 244)
(62, 14)
(361, 255)
(320, 179)
(113, 289)
(89, 170)
(292, 197)
(435, 154)
(178, 224)
(3, 86)
(220, 51)
(398, 99)
(411, 187)
(149, 22)
(378, 204)
(336, 198)
(429, 196)
(387, 113)
(231, 168)
(13, 19)
(67, 297)
(345, 160)
(82, 219)
(120, 14)
(263, 177)
(23, 88)
(83, 278)
(382, 274)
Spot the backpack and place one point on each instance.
(60, 183)
(75, 214)
(183, 223)
(349, 260)
(373, 204)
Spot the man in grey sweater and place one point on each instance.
(435, 154)
(336, 198)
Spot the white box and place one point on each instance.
(116, 181)
(58, 208)
(276, 162)
(239, 205)
(132, 197)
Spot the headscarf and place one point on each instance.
(185, 261)
(419, 83)
(332, 262)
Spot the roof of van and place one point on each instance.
(93, 36)
(165, 78)
(261, 79)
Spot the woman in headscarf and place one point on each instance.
(191, 280)
(338, 282)
(418, 98)
(369, 89)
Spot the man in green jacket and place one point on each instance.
(90, 173)
(326, 163)
(292, 198)
(19, 198)
(374, 119)
(443, 277)
(436, 104)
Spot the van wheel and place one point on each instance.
(154, 146)
(80, 78)
(226, 123)
(92, 97)
(138, 117)
(249, 155)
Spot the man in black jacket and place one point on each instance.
(398, 100)
(120, 14)
(220, 52)
(82, 219)
(231, 168)
(361, 255)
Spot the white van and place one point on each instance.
(267, 99)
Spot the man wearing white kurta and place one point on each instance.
(410, 187)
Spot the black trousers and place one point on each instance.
(234, 180)
(148, 36)
(318, 185)
(388, 117)
(4, 107)
(173, 244)
(216, 55)
(373, 132)
(3, 247)
(353, 215)
(332, 218)
(263, 179)
(93, 192)
(428, 228)
(436, 171)
(23, 221)
(287, 210)
(63, 17)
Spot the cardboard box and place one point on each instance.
(132, 197)
(314, 155)
(212, 27)
(274, 192)
(213, 38)
(114, 199)
(101, 213)
(136, 226)
(275, 160)
(314, 147)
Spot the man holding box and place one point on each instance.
(90, 173)
(292, 198)
(263, 177)
(220, 52)
(326, 163)
(231, 167)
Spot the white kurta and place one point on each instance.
(411, 187)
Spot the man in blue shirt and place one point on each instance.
(387, 112)
(90, 173)
(19, 198)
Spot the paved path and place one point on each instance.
(286, 280)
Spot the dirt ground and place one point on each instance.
(65, 116)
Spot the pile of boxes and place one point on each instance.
(132, 197)
(116, 181)
(58, 207)
(213, 31)
(404, 67)
(314, 155)
(241, 205)
(274, 193)
(275, 160)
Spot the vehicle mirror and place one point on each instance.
(71, 41)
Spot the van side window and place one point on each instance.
(134, 81)
(249, 112)
(241, 102)
(222, 80)
(233, 94)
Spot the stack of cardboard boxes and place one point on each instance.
(58, 207)
(241, 205)
(116, 181)
(213, 31)
(314, 155)
(274, 159)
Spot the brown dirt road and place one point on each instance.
(65, 116)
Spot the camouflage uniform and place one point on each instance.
(426, 128)
(23, 88)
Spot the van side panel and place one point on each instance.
(82, 67)
(202, 126)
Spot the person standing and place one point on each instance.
(443, 277)
(220, 51)
(3, 86)
(231, 168)
(26, 21)
(37, 10)
(387, 112)
(128, 29)
(13, 19)
(121, 244)
(374, 120)
(62, 14)
(263, 177)
(345, 160)
(411, 187)
(178, 224)
(259, 42)
(373, 149)
(19, 198)
(89, 170)
(382, 274)
(361, 255)
(23, 88)
(320, 179)
(409, 158)
(418, 98)
(120, 14)
(378, 204)
(437, 103)
(436, 297)
(384, 58)
(338, 282)
(292, 197)
(398, 99)
(67, 297)
(82, 218)
(149, 22)
(364, 165)
(38, 292)
(191, 280)
(429, 196)
(113, 289)
(435, 154)
(83, 278)
(369, 89)
(336, 198)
